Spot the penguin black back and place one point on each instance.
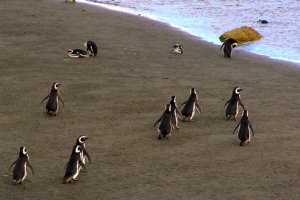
(174, 112)
(245, 129)
(165, 126)
(190, 106)
(227, 47)
(21, 166)
(91, 48)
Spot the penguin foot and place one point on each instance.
(241, 144)
(159, 137)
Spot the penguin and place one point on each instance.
(233, 104)
(21, 166)
(245, 129)
(73, 166)
(227, 47)
(78, 53)
(177, 48)
(263, 21)
(83, 152)
(91, 48)
(52, 104)
(174, 112)
(165, 127)
(190, 107)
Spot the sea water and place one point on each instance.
(208, 19)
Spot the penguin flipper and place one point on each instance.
(222, 46)
(236, 127)
(227, 102)
(82, 165)
(45, 98)
(198, 107)
(183, 103)
(13, 164)
(157, 121)
(29, 166)
(180, 115)
(60, 99)
(66, 164)
(86, 154)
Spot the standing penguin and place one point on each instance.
(165, 126)
(233, 103)
(245, 129)
(191, 105)
(91, 48)
(174, 112)
(52, 104)
(83, 152)
(73, 166)
(21, 166)
(227, 47)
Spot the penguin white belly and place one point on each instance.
(77, 170)
(193, 112)
(249, 135)
(25, 171)
(57, 103)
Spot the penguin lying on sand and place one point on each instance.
(177, 48)
(21, 166)
(78, 53)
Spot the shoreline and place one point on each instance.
(115, 98)
(117, 8)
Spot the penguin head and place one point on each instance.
(245, 113)
(168, 107)
(233, 45)
(77, 149)
(193, 91)
(23, 151)
(82, 139)
(177, 48)
(55, 86)
(173, 99)
(237, 90)
(70, 51)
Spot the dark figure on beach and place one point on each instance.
(233, 104)
(91, 48)
(53, 99)
(227, 47)
(174, 112)
(21, 166)
(245, 129)
(165, 126)
(190, 106)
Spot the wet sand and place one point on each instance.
(116, 97)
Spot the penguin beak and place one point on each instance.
(58, 85)
(240, 89)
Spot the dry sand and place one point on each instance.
(116, 97)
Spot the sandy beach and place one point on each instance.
(116, 97)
